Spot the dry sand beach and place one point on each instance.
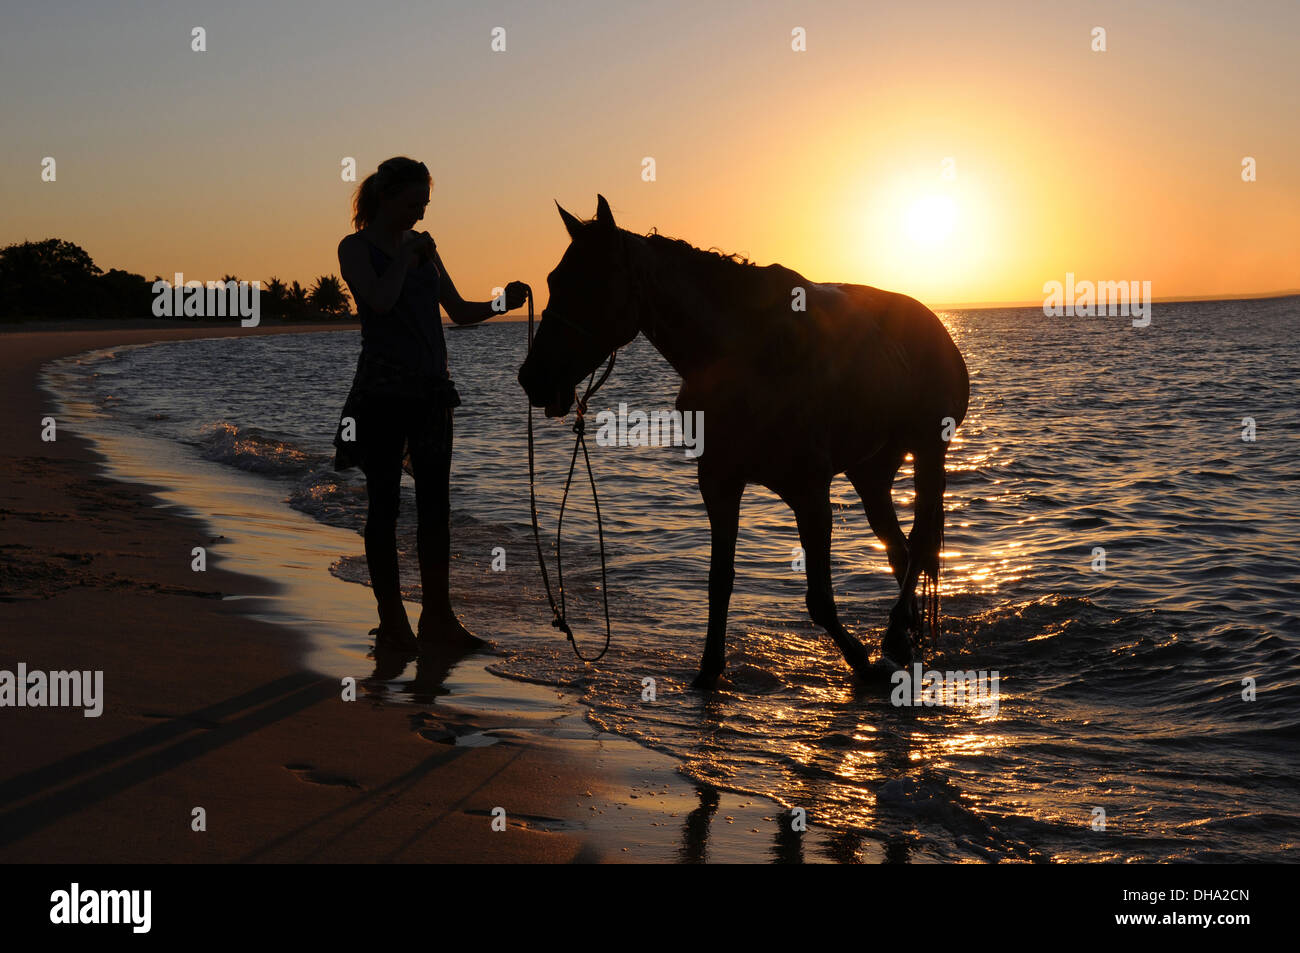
(206, 707)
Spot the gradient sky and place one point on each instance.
(1123, 165)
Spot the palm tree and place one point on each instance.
(295, 300)
(328, 297)
(275, 291)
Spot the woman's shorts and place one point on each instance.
(385, 399)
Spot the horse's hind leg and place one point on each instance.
(922, 550)
(812, 511)
(722, 500)
(873, 480)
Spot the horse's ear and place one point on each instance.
(570, 222)
(603, 215)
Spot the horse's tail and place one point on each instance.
(929, 621)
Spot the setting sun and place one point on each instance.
(930, 219)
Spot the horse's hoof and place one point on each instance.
(706, 681)
(878, 672)
(899, 660)
(859, 661)
(897, 647)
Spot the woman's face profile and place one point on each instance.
(408, 205)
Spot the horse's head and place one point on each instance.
(590, 313)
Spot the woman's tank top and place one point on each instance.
(411, 333)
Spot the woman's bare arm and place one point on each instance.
(458, 309)
(471, 312)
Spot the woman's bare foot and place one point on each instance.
(399, 640)
(448, 633)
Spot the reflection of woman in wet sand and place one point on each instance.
(402, 397)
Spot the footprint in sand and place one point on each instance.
(312, 775)
(533, 822)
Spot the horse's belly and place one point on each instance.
(770, 445)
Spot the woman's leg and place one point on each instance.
(383, 440)
(431, 462)
(432, 466)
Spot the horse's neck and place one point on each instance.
(676, 316)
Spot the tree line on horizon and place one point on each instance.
(58, 279)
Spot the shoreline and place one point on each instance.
(234, 718)
(220, 713)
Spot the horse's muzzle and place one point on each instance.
(556, 399)
(562, 404)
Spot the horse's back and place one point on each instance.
(924, 362)
(859, 372)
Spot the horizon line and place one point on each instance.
(997, 306)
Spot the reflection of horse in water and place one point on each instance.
(798, 382)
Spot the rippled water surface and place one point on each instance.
(1119, 690)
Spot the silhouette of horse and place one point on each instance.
(850, 383)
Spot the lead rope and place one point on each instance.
(560, 609)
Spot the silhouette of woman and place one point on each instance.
(401, 399)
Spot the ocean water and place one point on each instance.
(1120, 690)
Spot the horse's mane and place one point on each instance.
(731, 276)
(709, 255)
(731, 279)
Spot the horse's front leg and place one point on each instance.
(722, 500)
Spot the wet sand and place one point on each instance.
(208, 705)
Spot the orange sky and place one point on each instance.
(1122, 165)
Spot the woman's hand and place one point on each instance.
(417, 247)
(516, 295)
